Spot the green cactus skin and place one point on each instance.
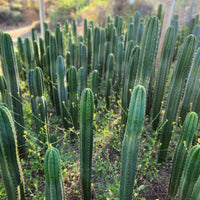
(3, 89)
(136, 25)
(62, 91)
(85, 30)
(114, 41)
(91, 25)
(96, 41)
(66, 28)
(31, 88)
(192, 87)
(68, 60)
(119, 64)
(180, 73)
(81, 80)
(74, 30)
(129, 82)
(69, 43)
(47, 38)
(109, 76)
(9, 159)
(42, 52)
(130, 32)
(42, 118)
(131, 142)
(53, 57)
(10, 72)
(101, 51)
(148, 49)
(54, 185)
(33, 35)
(191, 26)
(140, 31)
(116, 19)
(74, 54)
(28, 54)
(107, 51)
(36, 54)
(20, 48)
(190, 174)
(95, 85)
(86, 141)
(84, 60)
(89, 48)
(184, 143)
(73, 95)
(59, 41)
(196, 191)
(163, 69)
(159, 13)
(119, 27)
(38, 82)
(79, 55)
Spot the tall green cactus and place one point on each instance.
(176, 87)
(192, 87)
(73, 95)
(85, 30)
(38, 82)
(33, 35)
(159, 13)
(95, 85)
(81, 80)
(36, 54)
(108, 79)
(54, 185)
(28, 54)
(84, 60)
(148, 49)
(96, 41)
(86, 141)
(163, 69)
(190, 174)
(74, 30)
(130, 32)
(101, 51)
(136, 25)
(89, 48)
(59, 41)
(196, 191)
(3, 89)
(9, 159)
(120, 26)
(184, 143)
(131, 142)
(62, 91)
(10, 72)
(140, 31)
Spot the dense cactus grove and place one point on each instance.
(109, 71)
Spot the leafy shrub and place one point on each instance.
(5, 13)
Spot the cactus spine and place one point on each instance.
(9, 159)
(86, 141)
(163, 69)
(10, 71)
(190, 174)
(54, 185)
(130, 143)
(73, 95)
(176, 87)
(185, 143)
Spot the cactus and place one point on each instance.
(113, 41)
(73, 95)
(74, 55)
(42, 52)
(84, 60)
(136, 25)
(89, 48)
(109, 76)
(9, 159)
(119, 64)
(129, 81)
(176, 87)
(131, 142)
(74, 30)
(119, 26)
(81, 80)
(196, 191)
(54, 185)
(36, 54)
(10, 72)
(190, 174)
(38, 82)
(140, 31)
(86, 141)
(53, 57)
(96, 41)
(28, 54)
(192, 87)
(101, 51)
(160, 14)
(68, 60)
(66, 28)
(95, 85)
(47, 38)
(62, 91)
(33, 35)
(59, 42)
(130, 32)
(20, 48)
(163, 69)
(148, 49)
(3, 89)
(85, 30)
(79, 55)
(184, 143)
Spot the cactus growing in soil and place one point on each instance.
(11, 74)
(9, 159)
(54, 185)
(131, 142)
(180, 73)
(163, 69)
(73, 95)
(184, 143)
(190, 174)
(86, 141)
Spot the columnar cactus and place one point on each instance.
(28, 54)
(131, 142)
(184, 143)
(190, 174)
(85, 30)
(109, 76)
(136, 25)
(62, 91)
(74, 29)
(81, 80)
(33, 35)
(36, 54)
(73, 95)
(130, 32)
(59, 41)
(10, 72)
(9, 159)
(101, 51)
(3, 89)
(96, 41)
(54, 185)
(196, 191)
(95, 85)
(86, 141)
(176, 87)
(89, 48)
(192, 87)
(163, 69)
(84, 60)
(140, 31)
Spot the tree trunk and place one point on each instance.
(42, 16)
